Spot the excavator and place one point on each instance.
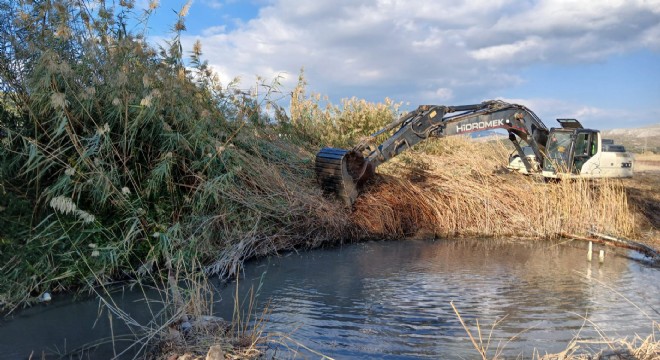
(570, 151)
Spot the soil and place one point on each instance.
(643, 191)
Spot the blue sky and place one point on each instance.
(596, 60)
(203, 15)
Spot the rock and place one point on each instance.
(45, 297)
(173, 334)
(215, 353)
(209, 322)
(186, 326)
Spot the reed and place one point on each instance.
(318, 122)
(637, 347)
(119, 155)
(182, 319)
(191, 329)
(451, 187)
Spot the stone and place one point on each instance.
(215, 353)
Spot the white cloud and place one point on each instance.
(214, 30)
(444, 94)
(214, 4)
(601, 118)
(426, 52)
(532, 46)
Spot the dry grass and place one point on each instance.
(638, 348)
(452, 188)
(647, 163)
(644, 199)
(280, 195)
(183, 325)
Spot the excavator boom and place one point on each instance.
(567, 152)
(440, 121)
(343, 172)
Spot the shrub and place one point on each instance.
(337, 125)
(119, 156)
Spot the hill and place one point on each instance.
(488, 135)
(636, 140)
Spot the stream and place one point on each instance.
(391, 300)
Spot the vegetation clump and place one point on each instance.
(117, 156)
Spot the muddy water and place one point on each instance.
(393, 300)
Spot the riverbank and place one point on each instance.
(114, 170)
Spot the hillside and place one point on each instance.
(638, 139)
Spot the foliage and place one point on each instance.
(337, 125)
(119, 156)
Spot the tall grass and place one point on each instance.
(320, 123)
(578, 348)
(121, 155)
(451, 187)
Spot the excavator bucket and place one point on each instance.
(342, 172)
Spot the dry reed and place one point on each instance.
(452, 188)
(638, 348)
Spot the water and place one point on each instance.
(393, 300)
(78, 328)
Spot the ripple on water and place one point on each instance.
(393, 299)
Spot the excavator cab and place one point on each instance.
(573, 151)
(568, 150)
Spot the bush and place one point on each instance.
(337, 125)
(119, 156)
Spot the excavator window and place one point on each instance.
(594, 143)
(584, 150)
(582, 145)
(558, 149)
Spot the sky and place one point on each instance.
(595, 60)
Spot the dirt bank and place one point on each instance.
(644, 198)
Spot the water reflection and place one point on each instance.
(393, 298)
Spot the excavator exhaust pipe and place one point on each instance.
(342, 172)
